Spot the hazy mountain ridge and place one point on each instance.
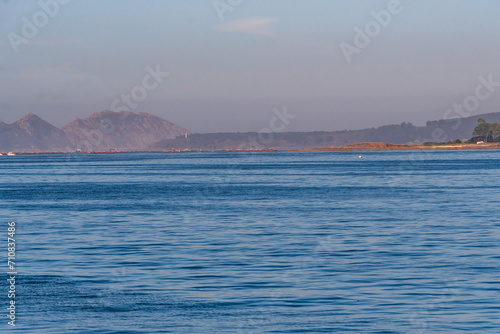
(125, 130)
(31, 134)
(101, 131)
(122, 130)
(404, 133)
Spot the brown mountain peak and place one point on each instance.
(32, 134)
(122, 130)
(30, 117)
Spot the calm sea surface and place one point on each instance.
(393, 242)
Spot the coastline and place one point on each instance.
(368, 146)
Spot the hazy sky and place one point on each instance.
(230, 62)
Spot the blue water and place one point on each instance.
(394, 242)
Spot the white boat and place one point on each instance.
(11, 153)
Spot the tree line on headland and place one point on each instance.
(487, 132)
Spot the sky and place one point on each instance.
(225, 65)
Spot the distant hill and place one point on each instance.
(124, 130)
(457, 128)
(405, 133)
(31, 134)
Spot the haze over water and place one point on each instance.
(394, 242)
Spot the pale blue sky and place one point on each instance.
(228, 75)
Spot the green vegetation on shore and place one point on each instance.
(488, 132)
(484, 131)
(452, 142)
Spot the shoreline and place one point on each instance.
(368, 146)
(405, 147)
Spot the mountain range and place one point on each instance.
(127, 131)
(103, 131)
(32, 134)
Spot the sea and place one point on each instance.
(252, 242)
